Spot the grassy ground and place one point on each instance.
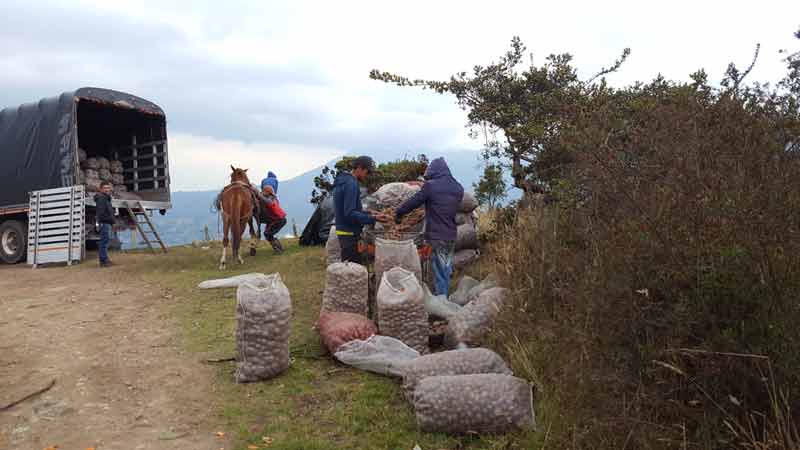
(318, 403)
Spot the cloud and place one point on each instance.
(203, 162)
(267, 75)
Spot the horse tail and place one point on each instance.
(236, 228)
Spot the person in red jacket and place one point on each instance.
(273, 216)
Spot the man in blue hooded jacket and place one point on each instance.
(271, 180)
(350, 218)
(441, 194)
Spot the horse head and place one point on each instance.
(239, 175)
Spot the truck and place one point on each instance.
(58, 141)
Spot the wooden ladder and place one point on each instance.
(146, 228)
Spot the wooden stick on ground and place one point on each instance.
(29, 396)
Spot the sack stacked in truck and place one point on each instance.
(116, 166)
(81, 156)
(346, 288)
(401, 311)
(332, 248)
(338, 328)
(453, 362)
(478, 403)
(389, 254)
(474, 321)
(263, 325)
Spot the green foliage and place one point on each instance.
(655, 303)
(404, 169)
(518, 112)
(491, 188)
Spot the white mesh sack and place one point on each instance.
(346, 288)
(392, 195)
(256, 279)
(332, 249)
(473, 323)
(379, 354)
(401, 310)
(389, 254)
(263, 325)
(480, 403)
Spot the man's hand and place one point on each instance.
(382, 218)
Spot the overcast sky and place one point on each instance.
(284, 85)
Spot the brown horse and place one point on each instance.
(237, 212)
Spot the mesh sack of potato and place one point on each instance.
(392, 195)
(90, 163)
(333, 250)
(346, 288)
(263, 325)
(92, 184)
(116, 166)
(453, 362)
(390, 253)
(468, 203)
(466, 237)
(401, 310)
(81, 155)
(103, 163)
(117, 178)
(464, 258)
(474, 321)
(120, 189)
(477, 403)
(105, 174)
(338, 328)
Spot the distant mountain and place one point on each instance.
(192, 211)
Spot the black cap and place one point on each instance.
(365, 162)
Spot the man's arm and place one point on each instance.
(351, 208)
(413, 203)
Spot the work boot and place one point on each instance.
(276, 245)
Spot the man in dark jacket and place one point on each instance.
(441, 194)
(350, 218)
(104, 213)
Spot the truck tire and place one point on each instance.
(13, 241)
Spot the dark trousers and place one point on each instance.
(105, 239)
(349, 246)
(272, 228)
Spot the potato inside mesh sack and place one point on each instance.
(103, 163)
(468, 203)
(338, 328)
(466, 237)
(263, 325)
(117, 178)
(473, 323)
(332, 248)
(346, 288)
(453, 362)
(390, 253)
(116, 166)
(401, 310)
(392, 195)
(439, 305)
(461, 294)
(478, 403)
(378, 354)
(105, 174)
(90, 163)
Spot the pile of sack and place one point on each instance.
(467, 238)
(94, 170)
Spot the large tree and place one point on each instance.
(519, 112)
(491, 188)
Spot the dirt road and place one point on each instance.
(122, 380)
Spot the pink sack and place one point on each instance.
(338, 328)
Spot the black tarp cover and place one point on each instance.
(38, 141)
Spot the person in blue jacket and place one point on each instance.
(271, 180)
(441, 194)
(350, 218)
